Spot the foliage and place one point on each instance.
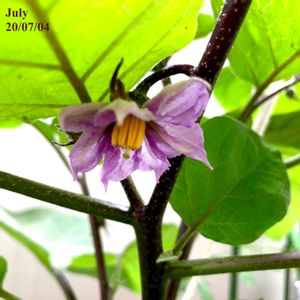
(218, 204)
(248, 190)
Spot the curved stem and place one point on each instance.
(145, 85)
(246, 113)
(65, 199)
(183, 268)
(132, 193)
(264, 99)
(65, 285)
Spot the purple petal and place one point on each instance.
(87, 153)
(153, 160)
(160, 147)
(186, 140)
(116, 167)
(122, 108)
(180, 103)
(79, 118)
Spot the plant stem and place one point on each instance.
(173, 285)
(145, 85)
(65, 199)
(102, 276)
(251, 104)
(287, 274)
(292, 161)
(178, 269)
(105, 291)
(264, 99)
(149, 241)
(65, 285)
(132, 193)
(233, 291)
(227, 27)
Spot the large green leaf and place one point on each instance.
(245, 193)
(269, 37)
(40, 71)
(231, 91)
(3, 269)
(282, 228)
(284, 130)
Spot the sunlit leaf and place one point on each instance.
(231, 91)
(42, 72)
(258, 50)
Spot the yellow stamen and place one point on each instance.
(130, 135)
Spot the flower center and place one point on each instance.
(130, 135)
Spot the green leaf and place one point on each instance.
(282, 228)
(64, 235)
(258, 50)
(6, 124)
(86, 264)
(14, 230)
(231, 91)
(43, 72)
(204, 290)
(205, 25)
(283, 130)
(3, 269)
(245, 193)
(169, 234)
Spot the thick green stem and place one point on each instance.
(65, 199)
(221, 265)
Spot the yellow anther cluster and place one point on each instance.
(130, 135)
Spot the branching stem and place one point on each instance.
(178, 269)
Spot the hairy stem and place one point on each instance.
(65, 199)
(227, 27)
(178, 269)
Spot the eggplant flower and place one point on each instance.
(125, 137)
